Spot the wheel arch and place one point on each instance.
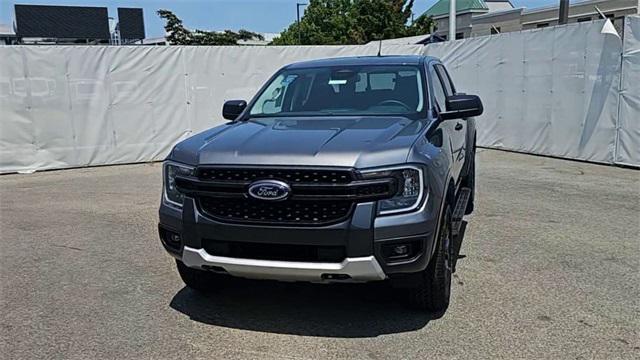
(470, 152)
(448, 198)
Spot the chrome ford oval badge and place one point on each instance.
(269, 190)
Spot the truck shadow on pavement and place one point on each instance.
(336, 310)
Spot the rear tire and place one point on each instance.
(198, 280)
(432, 288)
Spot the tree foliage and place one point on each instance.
(179, 35)
(344, 22)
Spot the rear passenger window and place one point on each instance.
(444, 76)
(438, 90)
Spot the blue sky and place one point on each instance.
(254, 15)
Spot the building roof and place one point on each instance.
(442, 7)
(553, 7)
(498, 5)
(155, 41)
(361, 60)
(498, 13)
(6, 30)
(268, 38)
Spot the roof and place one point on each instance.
(498, 13)
(498, 5)
(268, 38)
(442, 7)
(155, 41)
(588, 3)
(6, 30)
(361, 60)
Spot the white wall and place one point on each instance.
(628, 141)
(551, 91)
(69, 106)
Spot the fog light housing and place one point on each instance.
(171, 240)
(401, 250)
(175, 238)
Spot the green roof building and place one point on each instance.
(489, 17)
(442, 7)
(465, 10)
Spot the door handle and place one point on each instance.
(458, 126)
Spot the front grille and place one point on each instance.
(318, 196)
(282, 252)
(292, 176)
(292, 212)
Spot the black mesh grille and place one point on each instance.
(286, 252)
(292, 176)
(318, 196)
(293, 212)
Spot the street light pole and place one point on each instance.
(452, 20)
(298, 21)
(563, 15)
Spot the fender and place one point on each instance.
(445, 199)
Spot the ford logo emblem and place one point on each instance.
(269, 190)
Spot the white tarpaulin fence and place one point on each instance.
(66, 106)
(553, 91)
(628, 149)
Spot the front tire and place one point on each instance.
(432, 288)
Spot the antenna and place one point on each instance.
(380, 47)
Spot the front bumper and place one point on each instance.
(360, 269)
(364, 237)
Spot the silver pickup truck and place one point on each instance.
(339, 170)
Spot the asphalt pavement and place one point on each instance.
(551, 271)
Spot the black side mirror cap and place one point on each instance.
(461, 106)
(233, 108)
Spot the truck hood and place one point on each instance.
(312, 141)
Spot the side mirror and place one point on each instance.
(460, 106)
(233, 108)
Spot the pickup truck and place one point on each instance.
(350, 169)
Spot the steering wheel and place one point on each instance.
(394, 102)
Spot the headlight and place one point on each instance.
(171, 193)
(410, 189)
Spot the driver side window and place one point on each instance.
(438, 90)
(271, 100)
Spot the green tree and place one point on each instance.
(345, 22)
(420, 26)
(179, 35)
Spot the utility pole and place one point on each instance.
(452, 20)
(298, 21)
(563, 15)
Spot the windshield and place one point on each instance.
(350, 90)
